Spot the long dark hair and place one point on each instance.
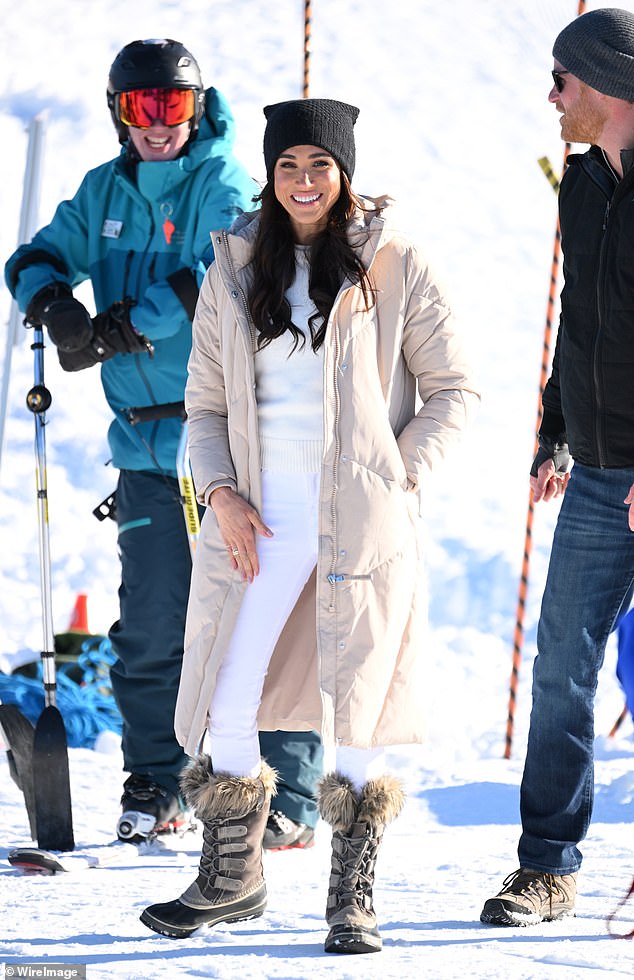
(332, 259)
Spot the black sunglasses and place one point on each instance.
(559, 80)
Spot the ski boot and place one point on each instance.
(283, 834)
(148, 810)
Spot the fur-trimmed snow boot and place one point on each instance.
(358, 821)
(230, 884)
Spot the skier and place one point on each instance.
(138, 228)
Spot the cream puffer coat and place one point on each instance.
(348, 662)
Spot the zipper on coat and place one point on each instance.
(596, 348)
(239, 292)
(608, 174)
(334, 579)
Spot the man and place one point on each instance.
(139, 228)
(589, 406)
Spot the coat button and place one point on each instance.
(342, 645)
(234, 293)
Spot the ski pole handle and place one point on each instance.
(152, 413)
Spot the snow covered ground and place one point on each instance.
(453, 119)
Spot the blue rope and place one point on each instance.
(87, 708)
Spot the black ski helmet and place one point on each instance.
(154, 63)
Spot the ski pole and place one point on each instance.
(38, 401)
(51, 780)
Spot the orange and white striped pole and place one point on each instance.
(518, 636)
(307, 47)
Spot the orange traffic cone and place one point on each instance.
(79, 619)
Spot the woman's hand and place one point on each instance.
(239, 522)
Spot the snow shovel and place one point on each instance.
(51, 781)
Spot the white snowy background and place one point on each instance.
(454, 116)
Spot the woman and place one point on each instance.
(315, 328)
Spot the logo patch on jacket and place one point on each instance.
(111, 228)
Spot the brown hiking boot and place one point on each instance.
(529, 897)
(230, 884)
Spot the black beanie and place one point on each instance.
(598, 48)
(313, 122)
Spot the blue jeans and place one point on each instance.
(590, 574)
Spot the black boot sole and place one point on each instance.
(155, 916)
(344, 939)
(500, 912)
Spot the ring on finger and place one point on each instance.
(235, 552)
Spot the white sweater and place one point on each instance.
(289, 389)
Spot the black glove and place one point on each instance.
(113, 333)
(66, 319)
(555, 449)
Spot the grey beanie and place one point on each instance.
(598, 47)
(314, 122)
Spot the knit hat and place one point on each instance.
(598, 48)
(313, 122)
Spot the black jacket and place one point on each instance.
(589, 397)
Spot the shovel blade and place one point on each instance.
(51, 783)
(18, 736)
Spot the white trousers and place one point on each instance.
(290, 509)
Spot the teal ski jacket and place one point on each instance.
(142, 230)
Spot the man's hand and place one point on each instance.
(549, 472)
(239, 523)
(66, 319)
(112, 333)
(548, 483)
(630, 501)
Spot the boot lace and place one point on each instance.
(222, 839)
(352, 882)
(537, 886)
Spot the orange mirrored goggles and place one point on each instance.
(145, 106)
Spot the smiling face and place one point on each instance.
(307, 183)
(160, 142)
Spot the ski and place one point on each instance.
(18, 735)
(38, 860)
